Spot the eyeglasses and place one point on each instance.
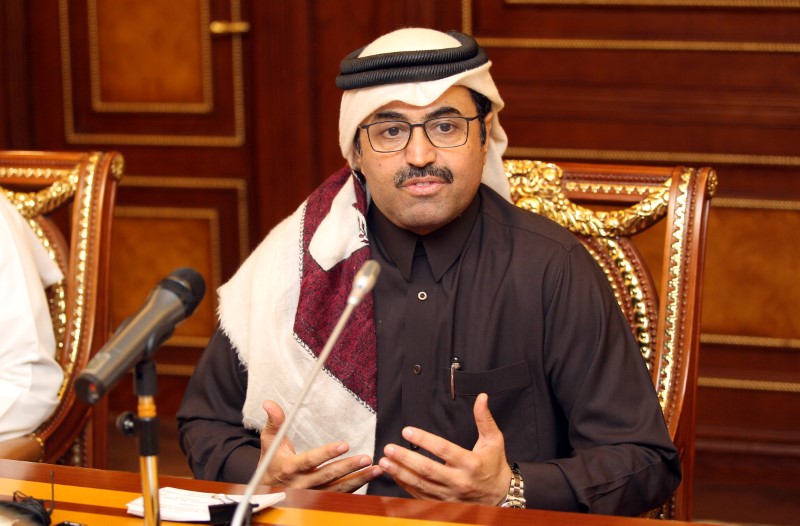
(442, 132)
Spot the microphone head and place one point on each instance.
(188, 285)
(365, 279)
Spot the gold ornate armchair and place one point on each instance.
(646, 228)
(68, 198)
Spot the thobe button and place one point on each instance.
(416, 369)
(422, 295)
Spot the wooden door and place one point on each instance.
(226, 113)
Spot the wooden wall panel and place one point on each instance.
(167, 223)
(751, 286)
(125, 71)
(153, 64)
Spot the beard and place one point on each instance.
(411, 172)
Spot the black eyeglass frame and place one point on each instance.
(422, 124)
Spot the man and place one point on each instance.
(491, 363)
(30, 377)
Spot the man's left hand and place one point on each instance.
(481, 475)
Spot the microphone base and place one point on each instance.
(222, 514)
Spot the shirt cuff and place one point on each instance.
(546, 488)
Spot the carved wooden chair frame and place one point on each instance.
(664, 315)
(79, 188)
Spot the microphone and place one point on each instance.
(364, 281)
(173, 300)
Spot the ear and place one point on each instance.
(488, 122)
(355, 164)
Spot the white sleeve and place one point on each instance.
(30, 377)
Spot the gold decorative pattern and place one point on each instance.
(81, 232)
(673, 331)
(636, 305)
(536, 186)
(56, 298)
(635, 290)
(74, 137)
(34, 204)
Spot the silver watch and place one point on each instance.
(516, 490)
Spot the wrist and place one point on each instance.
(515, 498)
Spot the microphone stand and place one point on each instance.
(145, 423)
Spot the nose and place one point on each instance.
(419, 151)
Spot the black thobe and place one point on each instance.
(519, 304)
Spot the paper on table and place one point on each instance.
(182, 505)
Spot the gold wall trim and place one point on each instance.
(652, 156)
(637, 45)
(749, 385)
(193, 342)
(151, 107)
(781, 4)
(73, 137)
(756, 204)
(174, 369)
(750, 341)
(206, 183)
(466, 16)
(207, 214)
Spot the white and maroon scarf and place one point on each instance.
(282, 304)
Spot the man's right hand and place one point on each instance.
(305, 470)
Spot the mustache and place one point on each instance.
(412, 172)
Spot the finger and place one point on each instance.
(275, 417)
(313, 458)
(487, 426)
(415, 484)
(414, 469)
(449, 452)
(352, 482)
(344, 475)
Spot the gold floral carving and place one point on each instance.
(537, 186)
(32, 205)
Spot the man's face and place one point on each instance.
(412, 187)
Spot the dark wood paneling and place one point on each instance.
(698, 83)
(15, 99)
(695, 83)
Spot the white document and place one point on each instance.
(182, 505)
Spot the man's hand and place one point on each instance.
(304, 470)
(481, 475)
